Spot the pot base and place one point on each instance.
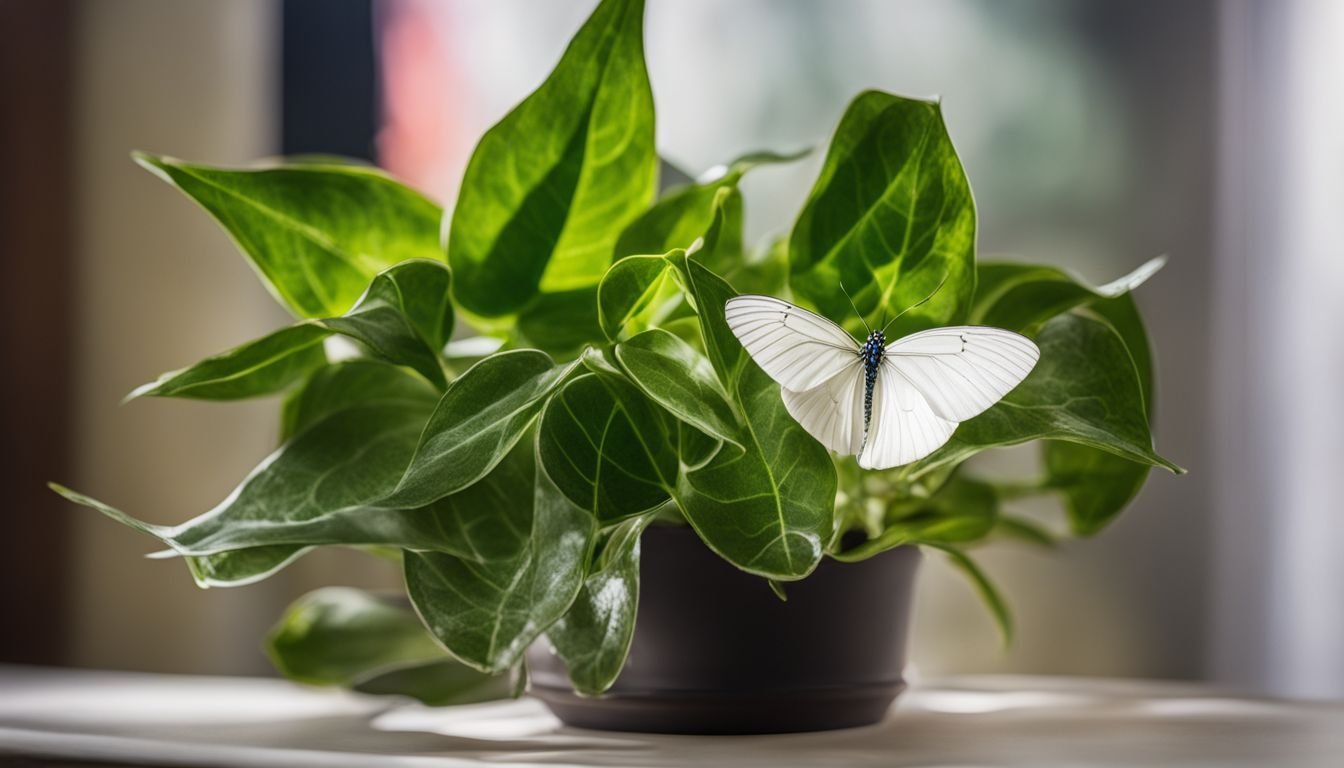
(710, 713)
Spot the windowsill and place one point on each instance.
(123, 717)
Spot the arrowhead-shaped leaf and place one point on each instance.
(593, 637)
(1084, 390)
(680, 379)
(1093, 484)
(550, 187)
(350, 382)
(317, 234)
(260, 367)
(768, 506)
(607, 448)
(478, 420)
(405, 317)
(346, 637)
(890, 218)
(487, 613)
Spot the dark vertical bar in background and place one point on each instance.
(329, 98)
(36, 326)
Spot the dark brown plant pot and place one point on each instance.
(716, 651)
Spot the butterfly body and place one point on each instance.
(886, 403)
(871, 352)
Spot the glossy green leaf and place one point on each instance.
(890, 217)
(768, 506)
(487, 613)
(405, 317)
(483, 414)
(337, 635)
(330, 485)
(550, 187)
(348, 383)
(636, 294)
(238, 567)
(1093, 484)
(316, 489)
(1020, 297)
(681, 380)
(562, 323)
(1084, 389)
(317, 234)
(347, 637)
(607, 448)
(466, 524)
(683, 214)
(593, 637)
(261, 367)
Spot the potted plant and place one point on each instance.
(614, 451)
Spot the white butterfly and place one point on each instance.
(887, 404)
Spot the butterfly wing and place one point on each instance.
(961, 371)
(832, 411)
(904, 428)
(799, 349)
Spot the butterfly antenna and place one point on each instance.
(856, 309)
(922, 301)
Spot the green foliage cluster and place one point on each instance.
(513, 488)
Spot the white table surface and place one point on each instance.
(120, 717)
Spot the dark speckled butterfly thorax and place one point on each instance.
(871, 352)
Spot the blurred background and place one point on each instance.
(1096, 135)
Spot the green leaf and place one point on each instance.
(890, 217)
(466, 524)
(238, 567)
(261, 367)
(550, 187)
(766, 507)
(478, 420)
(606, 448)
(562, 323)
(487, 613)
(636, 294)
(681, 380)
(963, 510)
(331, 485)
(593, 637)
(1093, 484)
(321, 488)
(684, 213)
(1020, 297)
(313, 490)
(405, 317)
(1083, 390)
(347, 637)
(337, 635)
(989, 594)
(348, 383)
(317, 234)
